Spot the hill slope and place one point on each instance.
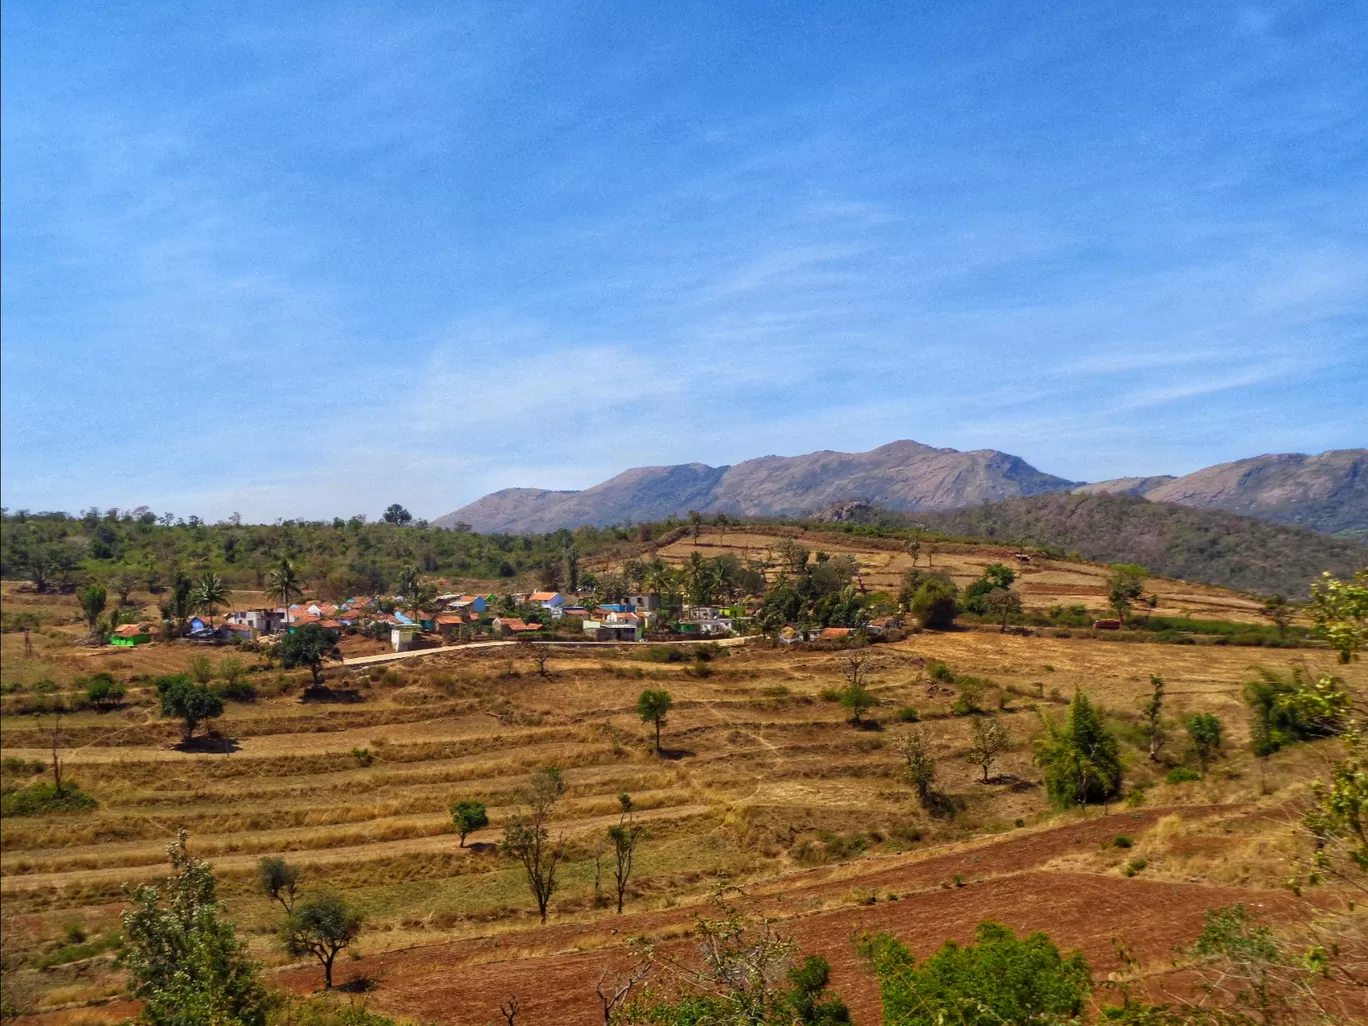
(1326, 492)
(902, 475)
(1206, 545)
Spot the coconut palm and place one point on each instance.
(283, 584)
(210, 593)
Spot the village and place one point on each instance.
(452, 618)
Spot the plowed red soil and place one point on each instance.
(460, 983)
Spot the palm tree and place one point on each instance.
(210, 593)
(283, 584)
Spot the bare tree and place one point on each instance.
(619, 989)
(528, 836)
(540, 655)
(509, 1010)
(987, 740)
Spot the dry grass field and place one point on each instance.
(764, 785)
(1043, 582)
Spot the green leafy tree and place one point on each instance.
(397, 515)
(1294, 706)
(1002, 603)
(124, 580)
(1204, 737)
(1340, 611)
(1000, 978)
(624, 837)
(182, 955)
(528, 836)
(1281, 612)
(188, 702)
(103, 692)
(1125, 584)
(919, 764)
(201, 670)
(653, 705)
(467, 817)
(324, 926)
(92, 599)
(934, 602)
(309, 646)
(995, 577)
(988, 739)
(1081, 759)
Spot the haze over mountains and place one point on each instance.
(1327, 492)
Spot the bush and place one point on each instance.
(37, 799)
(1134, 866)
(907, 714)
(1000, 978)
(239, 691)
(1181, 775)
(830, 694)
(941, 672)
(1122, 841)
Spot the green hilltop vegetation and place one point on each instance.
(141, 550)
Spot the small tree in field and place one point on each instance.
(183, 957)
(1280, 612)
(468, 817)
(920, 765)
(188, 702)
(652, 707)
(322, 926)
(624, 837)
(987, 740)
(279, 881)
(1125, 584)
(1002, 603)
(1204, 734)
(309, 646)
(1082, 760)
(1152, 719)
(92, 599)
(528, 837)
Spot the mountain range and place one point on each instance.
(1327, 492)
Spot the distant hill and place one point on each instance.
(902, 475)
(1328, 492)
(1211, 546)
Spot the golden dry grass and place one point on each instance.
(765, 783)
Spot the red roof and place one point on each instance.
(130, 630)
(834, 632)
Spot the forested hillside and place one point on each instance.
(1211, 546)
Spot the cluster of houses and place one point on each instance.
(452, 617)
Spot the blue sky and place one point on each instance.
(307, 260)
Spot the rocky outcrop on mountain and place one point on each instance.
(1125, 485)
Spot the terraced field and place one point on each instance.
(764, 784)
